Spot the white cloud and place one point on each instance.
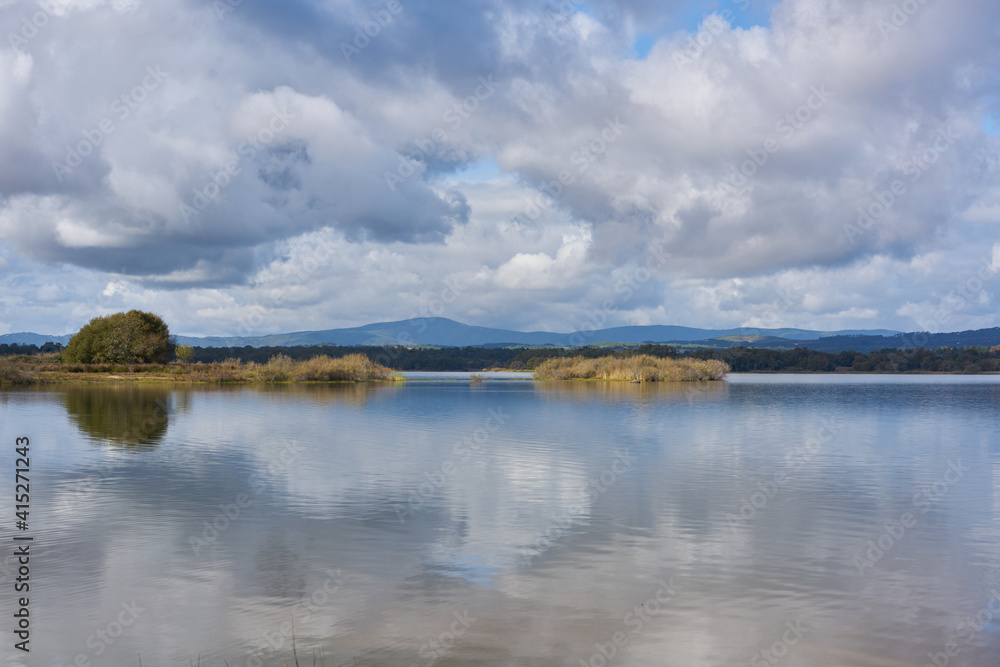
(774, 248)
(535, 271)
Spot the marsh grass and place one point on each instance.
(281, 368)
(12, 372)
(637, 368)
(350, 368)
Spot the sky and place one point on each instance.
(255, 167)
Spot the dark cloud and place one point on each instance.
(259, 131)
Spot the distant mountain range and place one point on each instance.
(33, 339)
(442, 332)
(448, 333)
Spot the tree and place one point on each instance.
(184, 353)
(134, 337)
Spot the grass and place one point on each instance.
(279, 369)
(350, 368)
(12, 372)
(637, 368)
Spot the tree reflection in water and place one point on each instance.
(128, 416)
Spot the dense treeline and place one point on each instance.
(8, 350)
(422, 358)
(948, 360)
(740, 359)
(399, 358)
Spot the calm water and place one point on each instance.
(828, 521)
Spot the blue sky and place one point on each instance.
(275, 166)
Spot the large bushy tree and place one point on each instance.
(134, 337)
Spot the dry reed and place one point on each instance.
(641, 368)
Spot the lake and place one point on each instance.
(764, 520)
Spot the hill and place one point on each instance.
(442, 332)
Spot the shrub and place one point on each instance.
(230, 370)
(353, 367)
(277, 369)
(134, 337)
(11, 372)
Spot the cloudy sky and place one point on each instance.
(249, 165)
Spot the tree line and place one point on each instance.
(740, 359)
(136, 337)
(11, 349)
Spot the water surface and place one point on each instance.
(828, 520)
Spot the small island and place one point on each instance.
(635, 368)
(137, 346)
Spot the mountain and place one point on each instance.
(439, 331)
(33, 339)
(448, 333)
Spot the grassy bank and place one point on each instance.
(13, 373)
(49, 369)
(642, 368)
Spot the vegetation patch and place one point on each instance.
(134, 337)
(349, 368)
(636, 368)
(12, 372)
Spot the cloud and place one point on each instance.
(536, 271)
(198, 150)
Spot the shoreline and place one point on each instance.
(20, 374)
(55, 378)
